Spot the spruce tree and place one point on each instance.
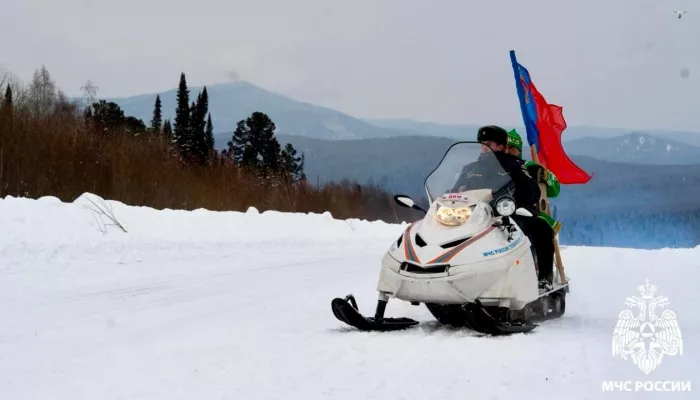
(157, 117)
(292, 167)
(197, 124)
(210, 134)
(191, 139)
(199, 111)
(202, 111)
(182, 117)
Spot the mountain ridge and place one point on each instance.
(571, 133)
(230, 102)
(636, 148)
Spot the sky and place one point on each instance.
(613, 63)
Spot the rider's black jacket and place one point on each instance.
(484, 173)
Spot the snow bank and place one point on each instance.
(48, 220)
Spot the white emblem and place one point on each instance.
(647, 337)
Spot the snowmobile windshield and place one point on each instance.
(465, 167)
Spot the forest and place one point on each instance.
(51, 145)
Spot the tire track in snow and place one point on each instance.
(160, 292)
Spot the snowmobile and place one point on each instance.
(466, 259)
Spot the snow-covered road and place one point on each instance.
(208, 305)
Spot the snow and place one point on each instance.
(210, 305)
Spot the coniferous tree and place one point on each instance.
(271, 151)
(182, 118)
(209, 134)
(299, 170)
(134, 125)
(8, 96)
(199, 111)
(106, 117)
(253, 144)
(157, 119)
(167, 130)
(292, 167)
(6, 104)
(6, 108)
(190, 142)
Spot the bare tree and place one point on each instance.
(89, 91)
(42, 93)
(4, 77)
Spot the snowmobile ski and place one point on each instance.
(345, 310)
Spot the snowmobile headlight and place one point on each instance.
(453, 216)
(505, 207)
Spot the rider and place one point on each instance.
(515, 147)
(482, 173)
(527, 193)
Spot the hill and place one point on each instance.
(401, 163)
(398, 163)
(635, 147)
(572, 133)
(231, 102)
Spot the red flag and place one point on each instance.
(545, 123)
(551, 124)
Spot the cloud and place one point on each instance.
(443, 61)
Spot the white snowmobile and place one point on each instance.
(467, 260)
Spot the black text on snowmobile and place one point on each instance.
(466, 260)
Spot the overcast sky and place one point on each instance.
(615, 63)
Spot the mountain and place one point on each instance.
(420, 128)
(231, 102)
(400, 164)
(570, 134)
(636, 148)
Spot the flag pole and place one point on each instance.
(533, 154)
(522, 100)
